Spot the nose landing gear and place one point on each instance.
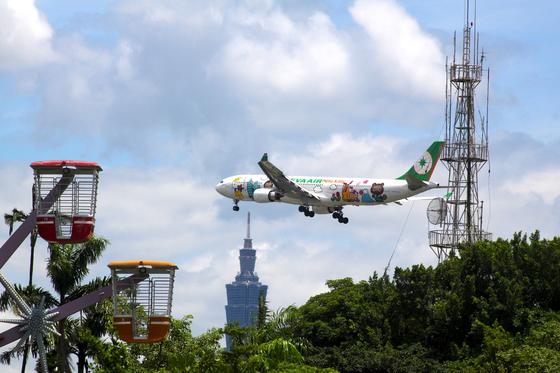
(235, 206)
(307, 211)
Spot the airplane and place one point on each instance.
(329, 195)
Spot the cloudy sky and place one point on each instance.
(171, 96)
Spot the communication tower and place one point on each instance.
(466, 147)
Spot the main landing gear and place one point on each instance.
(307, 211)
(340, 216)
(235, 206)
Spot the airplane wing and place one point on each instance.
(282, 183)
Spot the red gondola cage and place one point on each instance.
(142, 298)
(71, 219)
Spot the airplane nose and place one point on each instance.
(221, 188)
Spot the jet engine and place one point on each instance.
(264, 195)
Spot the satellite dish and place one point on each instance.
(437, 209)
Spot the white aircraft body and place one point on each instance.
(328, 195)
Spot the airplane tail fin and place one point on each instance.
(421, 171)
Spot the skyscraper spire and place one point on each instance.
(248, 243)
(249, 224)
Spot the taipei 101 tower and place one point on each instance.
(244, 293)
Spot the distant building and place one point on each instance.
(243, 294)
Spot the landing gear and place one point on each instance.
(340, 216)
(235, 206)
(306, 211)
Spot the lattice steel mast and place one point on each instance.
(466, 148)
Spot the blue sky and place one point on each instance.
(171, 96)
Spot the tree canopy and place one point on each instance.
(493, 307)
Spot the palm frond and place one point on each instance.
(7, 356)
(86, 254)
(60, 268)
(95, 284)
(31, 294)
(68, 265)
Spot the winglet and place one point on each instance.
(264, 157)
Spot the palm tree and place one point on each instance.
(269, 344)
(67, 266)
(10, 220)
(32, 242)
(93, 322)
(16, 216)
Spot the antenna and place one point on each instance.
(437, 210)
(249, 225)
(475, 34)
(467, 12)
(459, 218)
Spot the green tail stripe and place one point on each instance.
(424, 167)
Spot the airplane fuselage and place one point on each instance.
(332, 191)
(329, 195)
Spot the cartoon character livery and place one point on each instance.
(328, 195)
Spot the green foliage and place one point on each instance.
(67, 267)
(255, 350)
(271, 346)
(494, 307)
(279, 351)
(15, 217)
(180, 352)
(110, 357)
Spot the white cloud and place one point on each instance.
(199, 263)
(25, 35)
(161, 210)
(306, 58)
(406, 57)
(291, 71)
(238, 70)
(191, 15)
(346, 154)
(541, 183)
(124, 65)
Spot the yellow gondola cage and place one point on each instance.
(142, 298)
